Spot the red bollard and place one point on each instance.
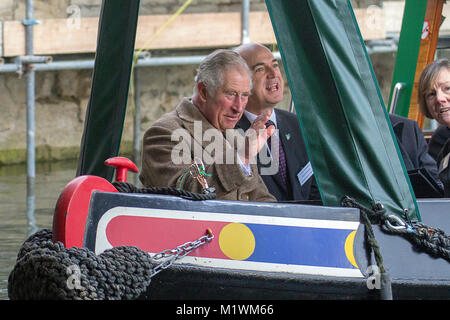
(122, 166)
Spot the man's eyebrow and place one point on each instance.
(257, 65)
(261, 64)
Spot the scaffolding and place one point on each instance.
(29, 64)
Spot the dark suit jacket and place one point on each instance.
(413, 146)
(296, 159)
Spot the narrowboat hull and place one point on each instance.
(326, 268)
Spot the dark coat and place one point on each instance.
(296, 159)
(444, 168)
(413, 146)
(437, 141)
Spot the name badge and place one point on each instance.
(305, 173)
(444, 163)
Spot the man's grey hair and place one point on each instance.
(210, 70)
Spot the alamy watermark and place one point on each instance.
(374, 280)
(74, 277)
(374, 17)
(210, 146)
(74, 19)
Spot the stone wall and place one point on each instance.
(62, 96)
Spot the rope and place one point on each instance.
(365, 217)
(431, 240)
(161, 29)
(148, 42)
(377, 212)
(126, 187)
(434, 241)
(46, 270)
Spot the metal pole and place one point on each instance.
(245, 21)
(137, 122)
(89, 64)
(30, 82)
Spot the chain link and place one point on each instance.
(179, 252)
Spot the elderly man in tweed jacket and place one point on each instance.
(201, 127)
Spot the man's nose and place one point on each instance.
(441, 96)
(271, 72)
(240, 101)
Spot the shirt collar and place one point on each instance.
(251, 117)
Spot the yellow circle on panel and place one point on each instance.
(349, 248)
(237, 241)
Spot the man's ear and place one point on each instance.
(202, 91)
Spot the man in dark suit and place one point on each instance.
(294, 180)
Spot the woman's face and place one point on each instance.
(438, 98)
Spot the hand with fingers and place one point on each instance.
(255, 137)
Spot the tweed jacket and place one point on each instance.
(172, 142)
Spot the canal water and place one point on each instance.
(16, 221)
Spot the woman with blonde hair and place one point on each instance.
(434, 103)
(434, 91)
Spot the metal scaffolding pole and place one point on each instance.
(89, 64)
(30, 85)
(30, 81)
(245, 21)
(137, 122)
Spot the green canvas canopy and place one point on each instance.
(111, 78)
(349, 138)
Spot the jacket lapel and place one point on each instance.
(288, 140)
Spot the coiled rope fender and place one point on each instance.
(47, 270)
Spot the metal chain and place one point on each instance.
(179, 252)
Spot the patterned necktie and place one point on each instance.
(281, 157)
